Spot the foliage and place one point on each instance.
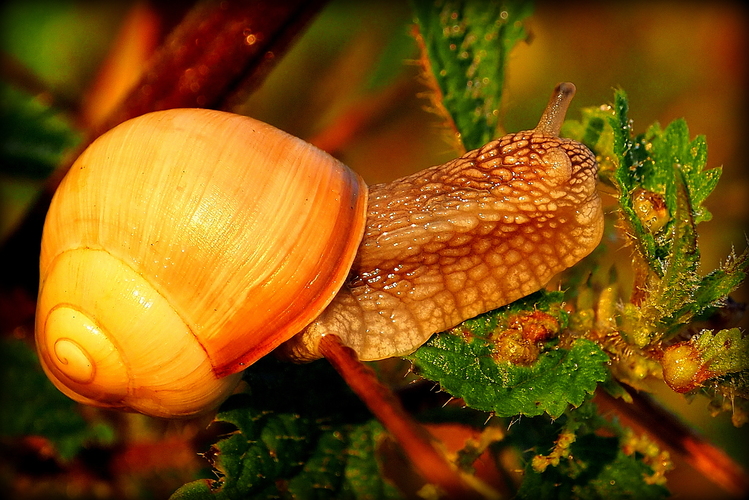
(465, 49)
(289, 445)
(298, 431)
(467, 361)
(32, 137)
(31, 406)
(582, 463)
(662, 182)
(662, 170)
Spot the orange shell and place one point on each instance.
(246, 232)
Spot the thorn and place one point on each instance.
(513, 421)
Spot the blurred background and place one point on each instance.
(350, 84)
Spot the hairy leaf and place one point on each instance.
(672, 149)
(582, 455)
(630, 155)
(712, 290)
(466, 44)
(653, 169)
(725, 351)
(468, 362)
(291, 443)
(662, 183)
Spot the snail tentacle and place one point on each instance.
(553, 116)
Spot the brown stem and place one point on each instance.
(664, 428)
(219, 49)
(139, 36)
(415, 440)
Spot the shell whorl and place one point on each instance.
(112, 356)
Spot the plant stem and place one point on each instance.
(666, 429)
(415, 440)
(218, 50)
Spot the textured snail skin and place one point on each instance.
(456, 240)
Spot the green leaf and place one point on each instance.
(682, 294)
(467, 45)
(321, 475)
(673, 150)
(662, 183)
(583, 455)
(363, 475)
(711, 291)
(723, 352)
(597, 468)
(33, 137)
(31, 406)
(631, 155)
(673, 293)
(662, 163)
(289, 443)
(466, 363)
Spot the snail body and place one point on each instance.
(457, 240)
(256, 240)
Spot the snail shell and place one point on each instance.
(181, 247)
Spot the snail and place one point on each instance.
(185, 244)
